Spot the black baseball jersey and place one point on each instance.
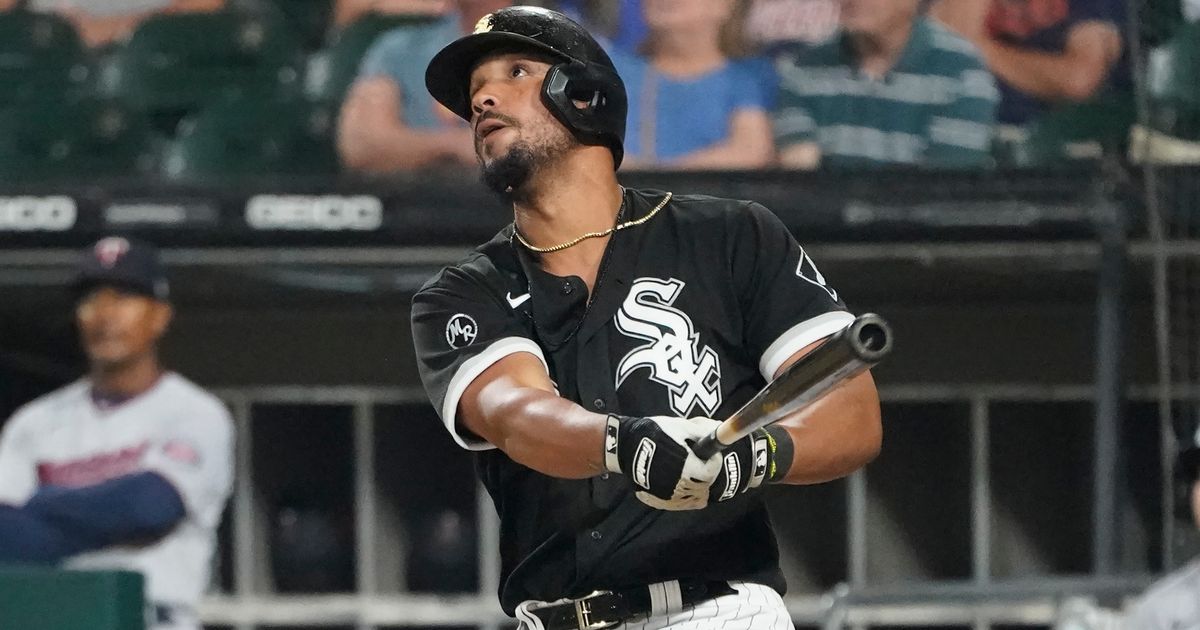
(693, 310)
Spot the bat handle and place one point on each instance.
(707, 446)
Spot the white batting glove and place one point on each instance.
(654, 453)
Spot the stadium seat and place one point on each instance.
(1078, 132)
(175, 64)
(332, 70)
(40, 53)
(79, 138)
(1174, 84)
(1158, 20)
(246, 136)
(310, 19)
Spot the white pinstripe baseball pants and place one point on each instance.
(752, 607)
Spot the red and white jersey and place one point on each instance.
(174, 429)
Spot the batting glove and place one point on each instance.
(654, 454)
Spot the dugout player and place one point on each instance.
(130, 466)
(579, 350)
(1173, 603)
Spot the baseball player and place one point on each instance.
(1173, 603)
(581, 349)
(130, 466)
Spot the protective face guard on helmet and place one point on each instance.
(568, 83)
(582, 72)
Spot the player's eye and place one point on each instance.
(518, 70)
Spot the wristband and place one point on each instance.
(780, 451)
(612, 434)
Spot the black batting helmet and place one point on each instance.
(585, 73)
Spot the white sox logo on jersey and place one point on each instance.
(674, 356)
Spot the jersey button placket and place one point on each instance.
(596, 535)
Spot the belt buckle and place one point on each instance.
(583, 613)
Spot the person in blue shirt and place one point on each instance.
(694, 103)
(388, 122)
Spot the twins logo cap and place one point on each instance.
(126, 263)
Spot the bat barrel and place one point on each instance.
(857, 347)
(869, 337)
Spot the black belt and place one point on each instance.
(607, 609)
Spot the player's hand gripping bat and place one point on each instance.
(841, 357)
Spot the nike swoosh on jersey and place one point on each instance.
(516, 301)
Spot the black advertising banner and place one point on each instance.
(441, 209)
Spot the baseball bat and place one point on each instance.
(857, 347)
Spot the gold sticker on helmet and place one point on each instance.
(484, 24)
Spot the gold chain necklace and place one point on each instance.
(615, 228)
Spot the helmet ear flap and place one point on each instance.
(602, 120)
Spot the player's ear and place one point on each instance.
(163, 314)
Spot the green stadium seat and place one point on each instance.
(176, 63)
(76, 138)
(1158, 20)
(246, 136)
(1077, 133)
(309, 19)
(1174, 84)
(40, 53)
(332, 70)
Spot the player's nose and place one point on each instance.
(486, 98)
(480, 106)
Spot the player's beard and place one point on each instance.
(509, 175)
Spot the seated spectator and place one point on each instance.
(1044, 51)
(389, 122)
(778, 27)
(692, 103)
(891, 88)
(104, 22)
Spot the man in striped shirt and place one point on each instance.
(891, 88)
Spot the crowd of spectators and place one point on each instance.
(747, 84)
(101, 23)
(738, 84)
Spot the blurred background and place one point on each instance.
(1016, 187)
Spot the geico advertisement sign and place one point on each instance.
(325, 212)
(37, 214)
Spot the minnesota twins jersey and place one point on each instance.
(174, 429)
(1172, 603)
(692, 311)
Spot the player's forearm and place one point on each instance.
(1051, 76)
(549, 434)
(837, 435)
(28, 538)
(125, 510)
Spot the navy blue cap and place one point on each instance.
(126, 263)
